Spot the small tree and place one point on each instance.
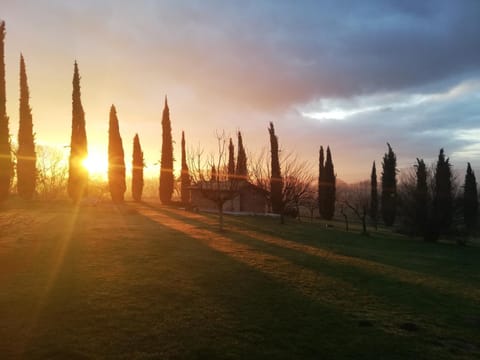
(116, 159)
(389, 187)
(374, 196)
(185, 175)
(6, 163)
(297, 184)
(137, 169)
(470, 199)
(356, 198)
(166, 164)
(52, 166)
(77, 172)
(26, 156)
(219, 188)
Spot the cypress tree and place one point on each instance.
(470, 199)
(213, 174)
(329, 193)
(137, 169)
(166, 163)
(321, 182)
(442, 199)
(389, 187)
(6, 163)
(241, 171)
(116, 159)
(185, 175)
(374, 195)
(26, 157)
(77, 173)
(421, 197)
(276, 181)
(231, 161)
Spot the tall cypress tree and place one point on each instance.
(26, 156)
(329, 194)
(470, 199)
(137, 169)
(116, 159)
(231, 161)
(276, 180)
(6, 164)
(166, 163)
(241, 170)
(442, 213)
(77, 173)
(185, 175)
(374, 195)
(321, 181)
(389, 187)
(421, 198)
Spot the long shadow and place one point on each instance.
(330, 290)
(379, 247)
(414, 298)
(273, 318)
(352, 262)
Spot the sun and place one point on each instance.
(96, 164)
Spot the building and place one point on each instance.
(242, 196)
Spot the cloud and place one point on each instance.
(400, 71)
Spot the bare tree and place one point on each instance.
(219, 188)
(356, 198)
(52, 165)
(310, 201)
(296, 180)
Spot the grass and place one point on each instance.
(142, 281)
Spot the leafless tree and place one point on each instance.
(52, 172)
(219, 188)
(297, 180)
(356, 198)
(310, 199)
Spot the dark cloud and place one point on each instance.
(276, 53)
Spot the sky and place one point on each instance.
(353, 75)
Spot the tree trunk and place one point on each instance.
(220, 216)
(364, 220)
(346, 218)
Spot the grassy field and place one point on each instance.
(142, 281)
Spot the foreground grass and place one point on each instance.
(146, 282)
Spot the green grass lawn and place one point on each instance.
(150, 282)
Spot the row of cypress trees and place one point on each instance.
(26, 156)
(433, 205)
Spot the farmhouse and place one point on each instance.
(245, 197)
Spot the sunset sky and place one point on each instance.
(349, 74)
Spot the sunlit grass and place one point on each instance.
(145, 281)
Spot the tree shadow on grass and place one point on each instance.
(139, 287)
(332, 293)
(401, 297)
